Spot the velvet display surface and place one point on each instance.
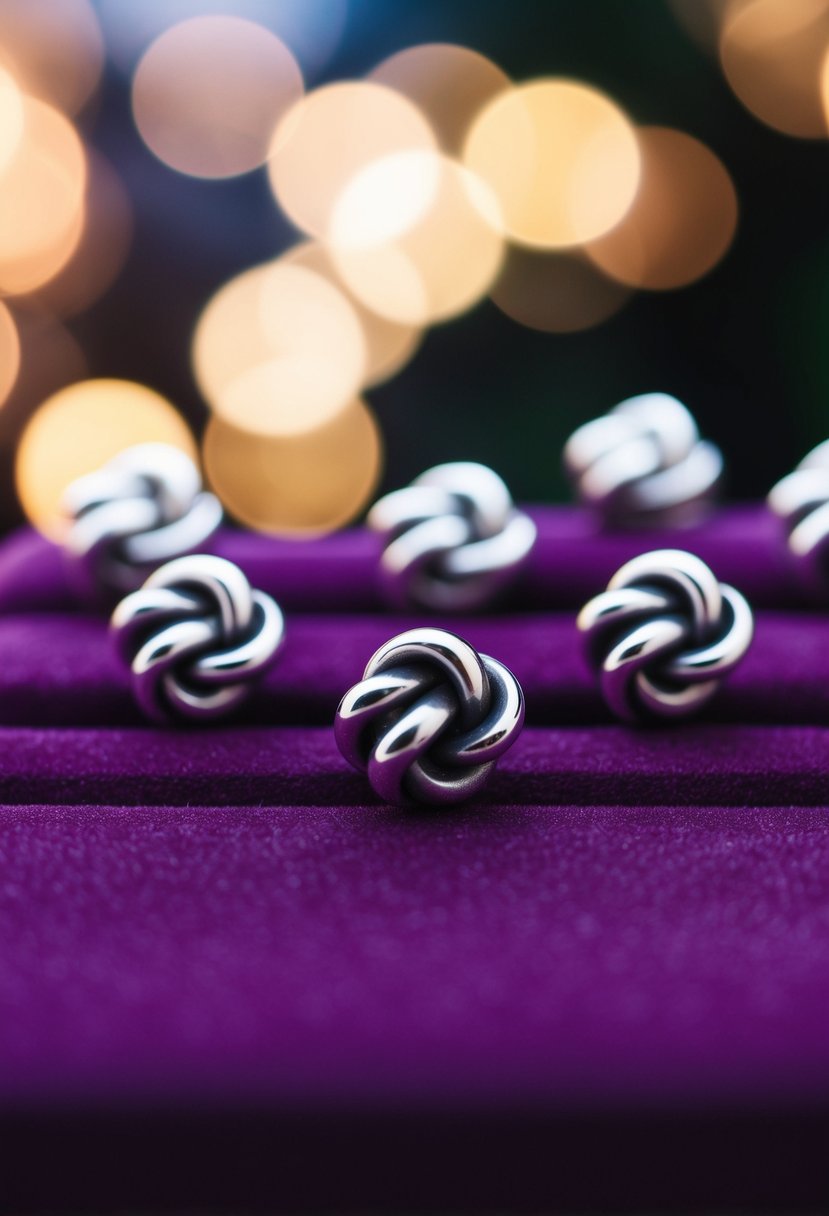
(231, 980)
(572, 560)
(59, 669)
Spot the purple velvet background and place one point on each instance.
(228, 976)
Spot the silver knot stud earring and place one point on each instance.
(801, 501)
(643, 464)
(663, 635)
(196, 638)
(453, 538)
(429, 718)
(144, 507)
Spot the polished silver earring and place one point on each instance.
(196, 639)
(429, 718)
(643, 464)
(453, 539)
(141, 509)
(664, 635)
(801, 501)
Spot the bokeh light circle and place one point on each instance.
(9, 352)
(11, 117)
(450, 84)
(311, 28)
(77, 430)
(562, 159)
(556, 291)
(208, 92)
(388, 345)
(101, 249)
(53, 48)
(771, 53)
(417, 237)
(41, 199)
(279, 350)
(682, 221)
(332, 134)
(299, 486)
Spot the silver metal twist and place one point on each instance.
(801, 501)
(664, 635)
(429, 718)
(196, 638)
(143, 508)
(453, 538)
(643, 464)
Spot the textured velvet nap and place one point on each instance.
(701, 764)
(572, 560)
(630, 924)
(314, 955)
(59, 669)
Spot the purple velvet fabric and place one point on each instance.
(572, 560)
(58, 669)
(230, 978)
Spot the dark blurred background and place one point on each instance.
(744, 347)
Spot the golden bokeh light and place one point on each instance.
(9, 352)
(561, 158)
(683, 219)
(41, 199)
(330, 136)
(388, 345)
(301, 486)
(208, 92)
(557, 291)
(101, 249)
(77, 430)
(279, 350)
(11, 117)
(53, 48)
(230, 338)
(450, 84)
(771, 53)
(417, 237)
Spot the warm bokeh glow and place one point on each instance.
(683, 219)
(450, 84)
(102, 247)
(417, 237)
(311, 28)
(305, 485)
(53, 48)
(331, 135)
(9, 352)
(389, 345)
(558, 291)
(207, 93)
(11, 118)
(230, 338)
(771, 53)
(561, 158)
(41, 199)
(279, 350)
(79, 429)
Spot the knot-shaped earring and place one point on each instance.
(643, 464)
(801, 501)
(664, 634)
(144, 507)
(429, 718)
(453, 538)
(196, 638)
